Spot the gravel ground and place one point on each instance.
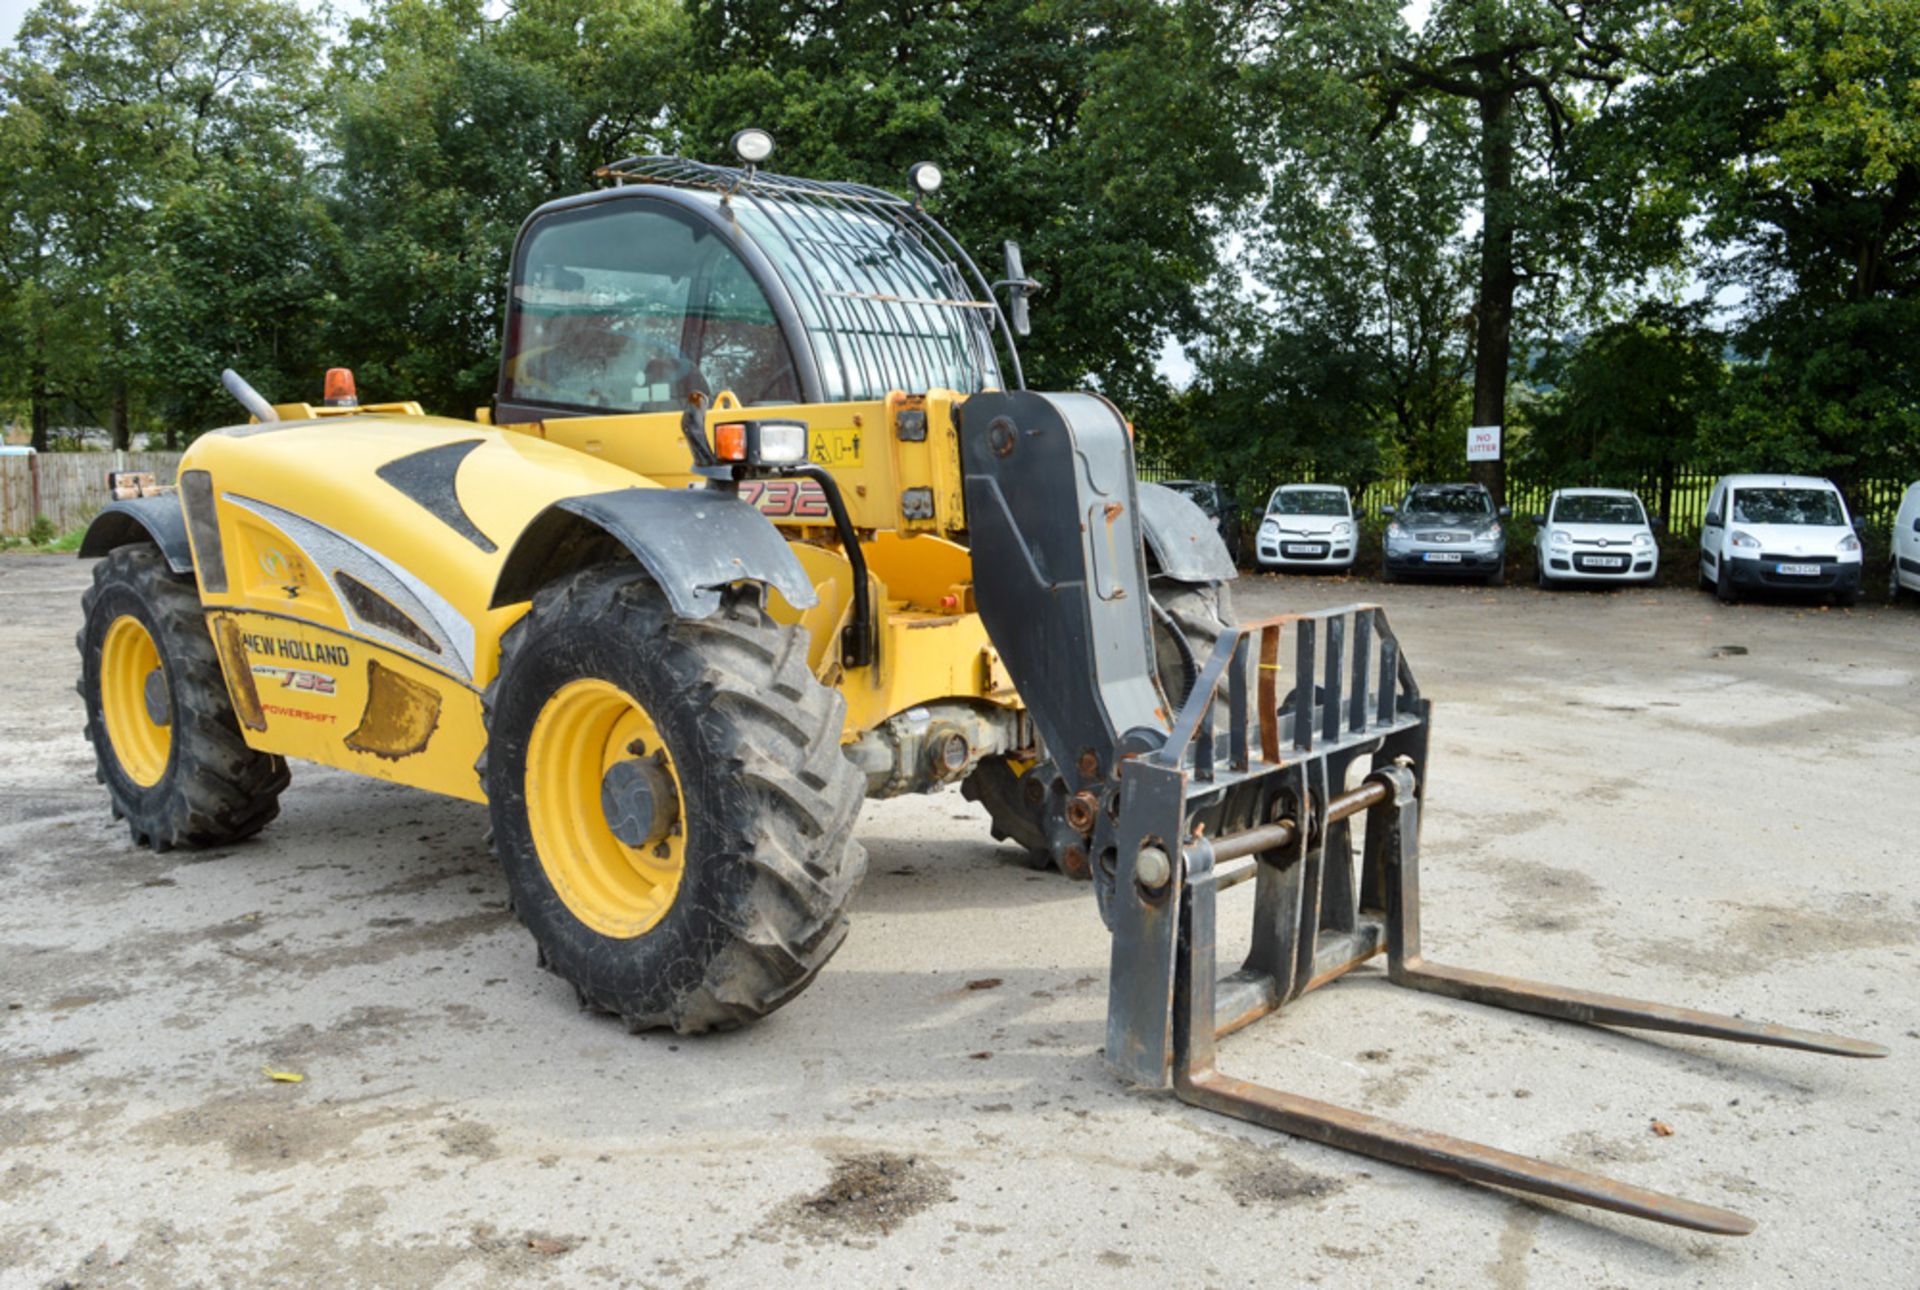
(1619, 800)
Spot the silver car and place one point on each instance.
(1449, 530)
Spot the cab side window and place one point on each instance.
(1714, 516)
(631, 307)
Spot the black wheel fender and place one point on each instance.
(141, 519)
(693, 543)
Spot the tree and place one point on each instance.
(1102, 136)
(115, 116)
(1795, 127)
(1627, 402)
(1511, 79)
(450, 128)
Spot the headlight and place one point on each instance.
(1849, 543)
(1643, 541)
(1488, 534)
(1395, 533)
(761, 443)
(1343, 530)
(1559, 537)
(1744, 540)
(1269, 526)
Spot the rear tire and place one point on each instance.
(165, 739)
(1188, 618)
(743, 895)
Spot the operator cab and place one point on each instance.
(687, 279)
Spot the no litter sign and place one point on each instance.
(1483, 443)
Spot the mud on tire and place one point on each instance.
(768, 800)
(213, 788)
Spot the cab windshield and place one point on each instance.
(1309, 501)
(1811, 506)
(1589, 509)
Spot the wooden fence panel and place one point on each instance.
(68, 488)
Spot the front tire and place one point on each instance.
(165, 739)
(1723, 588)
(669, 802)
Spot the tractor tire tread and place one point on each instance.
(796, 796)
(216, 790)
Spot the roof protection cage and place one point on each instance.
(889, 299)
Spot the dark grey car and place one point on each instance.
(1446, 530)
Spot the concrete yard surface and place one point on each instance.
(1642, 792)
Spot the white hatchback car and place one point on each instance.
(1307, 526)
(1595, 535)
(1779, 533)
(1904, 573)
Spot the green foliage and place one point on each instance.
(41, 531)
(1343, 222)
(1627, 400)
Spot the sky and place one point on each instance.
(11, 11)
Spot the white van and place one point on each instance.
(1307, 526)
(1904, 571)
(1780, 533)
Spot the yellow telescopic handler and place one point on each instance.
(763, 522)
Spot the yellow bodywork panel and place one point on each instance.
(354, 620)
(321, 695)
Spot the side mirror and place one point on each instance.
(1506, 512)
(1019, 288)
(1538, 520)
(1916, 524)
(1386, 510)
(1859, 525)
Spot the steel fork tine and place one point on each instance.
(1356, 1131)
(1595, 1009)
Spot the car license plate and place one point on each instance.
(1301, 548)
(1798, 570)
(1442, 557)
(1606, 561)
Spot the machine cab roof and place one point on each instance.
(688, 279)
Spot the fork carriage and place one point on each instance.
(1245, 784)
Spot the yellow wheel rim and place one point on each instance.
(134, 699)
(583, 732)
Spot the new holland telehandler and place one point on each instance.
(762, 521)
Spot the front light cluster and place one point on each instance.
(1343, 530)
(1643, 541)
(1559, 537)
(1849, 543)
(1488, 534)
(1396, 533)
(1745, 541)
